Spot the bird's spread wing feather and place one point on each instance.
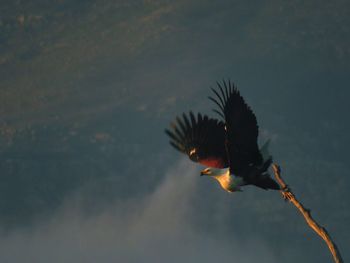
(241, 128)
(201, 138)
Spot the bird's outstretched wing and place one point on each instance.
(201, 138)
(241, 128)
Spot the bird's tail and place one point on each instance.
(264, 180)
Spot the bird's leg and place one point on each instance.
(286, 188)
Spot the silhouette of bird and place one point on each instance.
(228, 147)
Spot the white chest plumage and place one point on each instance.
(229, 182)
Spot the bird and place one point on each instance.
(227, 146)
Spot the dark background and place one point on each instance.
(87, 88)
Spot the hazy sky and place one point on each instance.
(87, 89)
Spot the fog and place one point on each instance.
(155, 228)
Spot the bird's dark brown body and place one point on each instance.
(228, 143)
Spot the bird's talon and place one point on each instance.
(287, 196)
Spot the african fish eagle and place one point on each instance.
(227, 147)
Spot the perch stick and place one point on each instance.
(321, 231)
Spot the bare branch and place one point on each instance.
(321, 231)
